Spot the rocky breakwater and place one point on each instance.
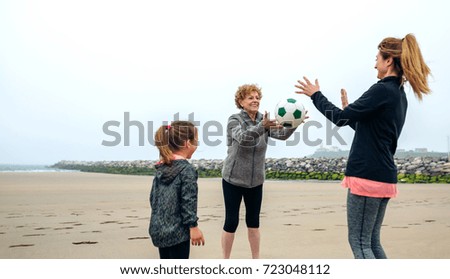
(423, 170)
(137, 167)
(426, 166)
(419, 169)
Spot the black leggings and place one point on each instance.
(179, 251)
(252, 199)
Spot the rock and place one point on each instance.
(434, 166)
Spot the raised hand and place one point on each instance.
(268, 123)
(306, 87)
(344, 98)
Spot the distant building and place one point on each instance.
(330, 152)
(421, 150)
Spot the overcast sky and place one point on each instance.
(68, 69)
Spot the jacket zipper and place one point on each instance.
(253, 165)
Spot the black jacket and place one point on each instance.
(377, 118)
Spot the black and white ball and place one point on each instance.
(289, 112)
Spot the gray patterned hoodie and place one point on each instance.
(173, 201)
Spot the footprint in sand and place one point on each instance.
(138, 238)
(14, 216)
(63, 228)
(318, 230)
(84, 242)
(209, 217)
(91, 232)
(297, 225)
(21, 245)
(430, 221)
(42, 228)
(36, 234)
(74, 224)
(109, 222)
(129, 227)
(77, 213)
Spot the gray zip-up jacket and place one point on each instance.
(247, 144)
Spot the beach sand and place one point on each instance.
(71, 215)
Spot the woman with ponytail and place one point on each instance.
(377, 118)
(173, 197)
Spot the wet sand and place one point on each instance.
(71, 215)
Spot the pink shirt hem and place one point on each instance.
(369, 188)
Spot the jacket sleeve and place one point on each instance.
(245, 135)
(281, 133)
(189, 192)
(362, 108)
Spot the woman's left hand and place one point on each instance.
(306, 87)
(269, 123)
(344, 98)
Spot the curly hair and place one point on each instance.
(245, 90)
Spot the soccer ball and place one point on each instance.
(289, 112)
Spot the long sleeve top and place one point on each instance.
(377, 118)
(247, 144)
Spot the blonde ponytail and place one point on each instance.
(415, 69)
(408, 61)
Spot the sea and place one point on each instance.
(30, 168)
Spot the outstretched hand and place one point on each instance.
(306, 87)
(344, 98)
(269, 123)
(306, 116)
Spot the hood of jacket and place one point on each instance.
(167, 173)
